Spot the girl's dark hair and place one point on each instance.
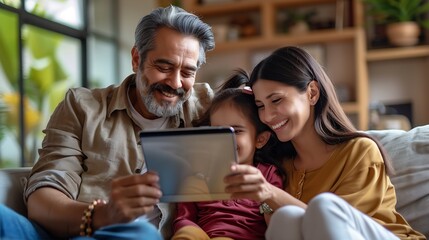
(232, 93)
(297, 68)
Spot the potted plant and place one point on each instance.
(297, 22)
(403, 19)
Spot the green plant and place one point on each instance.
(392, 11)
(45, 80)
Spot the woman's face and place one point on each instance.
(282, 107)
(245, 132)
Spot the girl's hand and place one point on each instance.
(246, 181)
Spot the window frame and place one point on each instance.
(26, 18)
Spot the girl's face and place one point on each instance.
(245, 132)
(282, 108)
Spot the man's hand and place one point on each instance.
(130, 197)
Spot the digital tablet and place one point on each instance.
(191, 162)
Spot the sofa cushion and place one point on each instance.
(409, 152)
(12, 182)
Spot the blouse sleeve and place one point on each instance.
(364, 183)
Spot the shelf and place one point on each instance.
(397, 53)
(232, 7)
(291, 3)
(313, 37)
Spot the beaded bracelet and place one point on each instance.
(88, 213)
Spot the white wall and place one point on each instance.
(401, 81)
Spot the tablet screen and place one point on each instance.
(191, 162)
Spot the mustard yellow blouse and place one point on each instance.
(356, 173)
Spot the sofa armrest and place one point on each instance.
(12, 182)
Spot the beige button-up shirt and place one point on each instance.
(92, 138)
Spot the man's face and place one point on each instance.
(168, 74)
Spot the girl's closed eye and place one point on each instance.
(238, 131)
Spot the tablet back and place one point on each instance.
(191, 162)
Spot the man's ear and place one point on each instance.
(135, 59)
(313, 92)
(262, 139)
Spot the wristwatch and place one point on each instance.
(264, 208)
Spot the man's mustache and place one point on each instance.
(180, 92)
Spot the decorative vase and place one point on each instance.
(403, 33)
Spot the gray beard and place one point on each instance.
(162, 109)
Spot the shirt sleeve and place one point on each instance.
(59, 164)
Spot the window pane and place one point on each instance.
(9, 90)
(51, 67)
(101, 63)
(12, 3)
(101, 17)
(68, 12)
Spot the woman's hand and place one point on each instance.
(130, 197)
(247, 182)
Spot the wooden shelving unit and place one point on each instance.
(268, 37)
(402, 70)
(397, 53)
(314, 37)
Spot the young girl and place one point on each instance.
(233, 219)
(337, 185)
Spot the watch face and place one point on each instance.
(264, 208)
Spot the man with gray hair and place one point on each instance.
(91, 179)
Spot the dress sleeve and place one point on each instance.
(271, 174)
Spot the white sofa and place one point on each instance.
(409, 152)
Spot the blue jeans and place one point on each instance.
(15, 226)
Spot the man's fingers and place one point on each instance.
(148, 178)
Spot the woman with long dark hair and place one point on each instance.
(338, 184)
